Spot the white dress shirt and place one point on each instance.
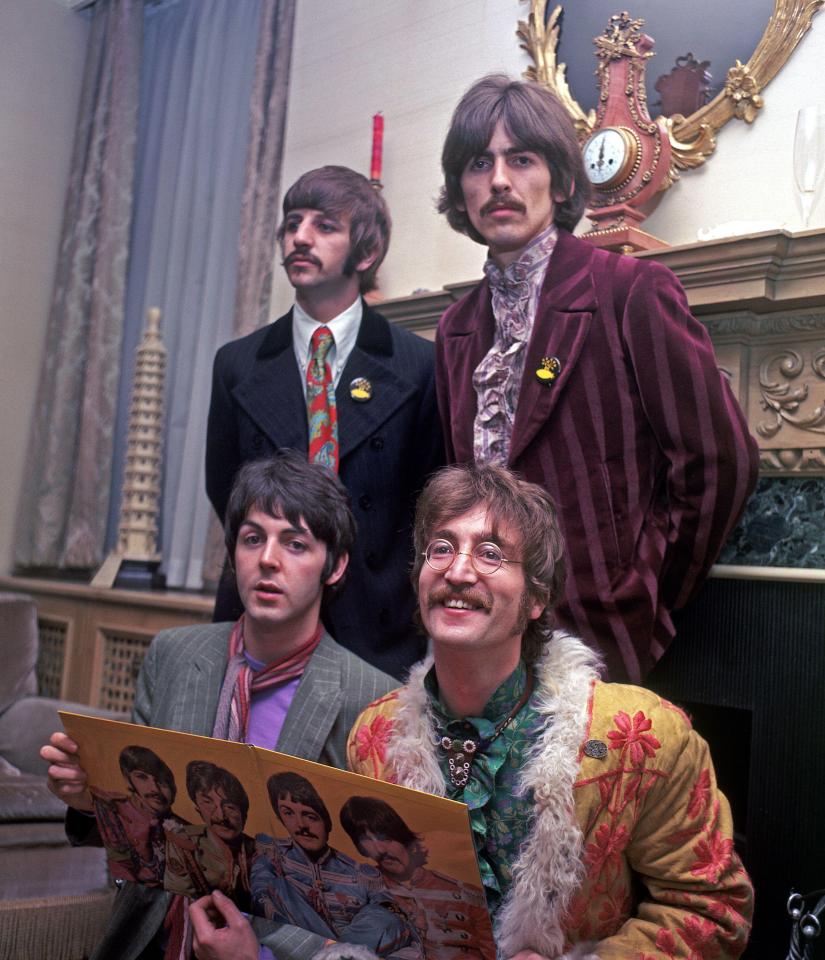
(344, 329)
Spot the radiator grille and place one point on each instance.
(123, 655)
(51, 656)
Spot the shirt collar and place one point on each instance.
(505, 697)
(344, 329)
(529, 266)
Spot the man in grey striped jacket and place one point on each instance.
(275, 678)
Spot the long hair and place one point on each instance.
(336, 190)
(534, 120)
(526, 508)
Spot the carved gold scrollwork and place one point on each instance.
(784, 400)
(743, 91)
(620, 38)
(692, 138)
(541, 42)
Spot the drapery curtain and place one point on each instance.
(198, 67)
(213, 107)
(267, 120)
(65, 496)
(259, 210)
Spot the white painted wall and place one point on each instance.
(42, 49)
(414, 60)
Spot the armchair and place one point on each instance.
(54, 899)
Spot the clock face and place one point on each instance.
(609, 156)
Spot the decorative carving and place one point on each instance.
(140, 499)
(692, 138)
(686, 88)
(792, 460)
(135, 559)
(743, 90)
(765, 324)
(540, 41)
(621, 38)
(784, 400)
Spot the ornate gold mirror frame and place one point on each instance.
(692, 138)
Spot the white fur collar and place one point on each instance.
(549, 868)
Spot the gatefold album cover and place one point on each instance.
(347, 857)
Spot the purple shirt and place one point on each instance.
(267, 712)
(268, 709)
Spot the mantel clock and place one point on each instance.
(627, 156)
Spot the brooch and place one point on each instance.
(360, 389)
(548, 371)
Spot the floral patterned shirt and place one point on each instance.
(499, 817)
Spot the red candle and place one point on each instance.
(377, 146)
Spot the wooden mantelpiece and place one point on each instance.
(760, 272)
(761, 297)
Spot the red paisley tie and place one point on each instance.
(321, 412)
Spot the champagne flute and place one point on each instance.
(809, 156)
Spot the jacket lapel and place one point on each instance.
(199, 696)
(563, 318)
(273, 398)
(272, 395)
(466, 344)
(371, 359)
(315, 706)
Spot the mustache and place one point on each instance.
(442, 594)
(298, 255)
(386, 857)
(304, 832)
(502, 203)
(223, 822)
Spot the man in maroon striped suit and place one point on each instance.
(584, 371)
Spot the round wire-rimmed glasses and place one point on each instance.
(486, 558)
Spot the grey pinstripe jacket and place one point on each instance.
(178, 689)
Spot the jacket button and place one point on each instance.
(119, 882)
(377, 443)
(257, 441)
(365, 501)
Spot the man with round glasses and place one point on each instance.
(597, 821)
(486, 558)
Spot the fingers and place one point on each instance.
(229, 913)
(60, 749)
(220, 931)
(201, 914)
(66, 778)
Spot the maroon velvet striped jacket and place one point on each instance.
(639, 440)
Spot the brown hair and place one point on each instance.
(526, 508)
(203, 776)
(336, 190)
(292, 786)
(134, 758)
(535, 120)
(287, 485)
